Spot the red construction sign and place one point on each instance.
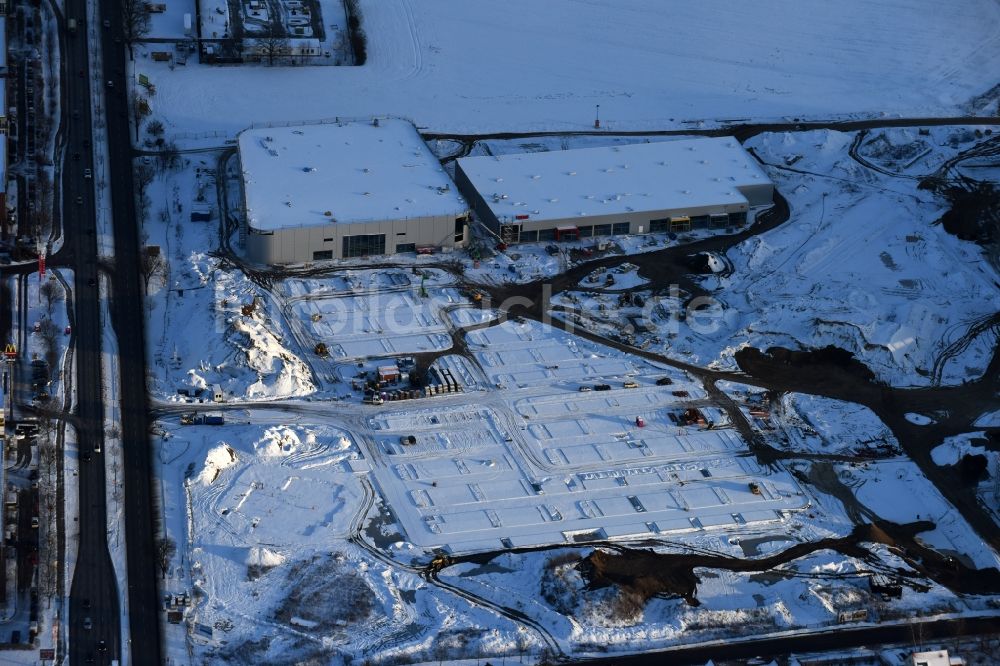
(47, 653)
(41, 267)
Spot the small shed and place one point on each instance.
(388, 373)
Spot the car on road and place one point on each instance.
(79, 201)
(85, 457)
(34, 522)
(91, 282)
(86, 604)
(87, 624)
(106, 23)
(111, 84)
(76, 113)
(102, 646)
(87, 173)
(585, 389)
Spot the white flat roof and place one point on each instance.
(355, 171)
(662, 175)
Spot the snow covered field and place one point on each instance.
(523, 66)
(860, 265)
(356, 320)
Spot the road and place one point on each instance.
(127, 318)
(94, 590)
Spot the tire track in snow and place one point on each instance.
(411, 27)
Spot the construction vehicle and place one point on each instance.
(473, 295)
(755, 488)
(439, 562)
(203, 419)
(321, 350)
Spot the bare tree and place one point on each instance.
(144, 174)
(271, 47)
(169, 155)
(135, 22)
(155, 128)
(140, 109)
(50, 292)
(50, 337)
(166, 548)
(150, 264)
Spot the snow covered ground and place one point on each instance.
(860, 265)
(305, 528)
(520, 66)
(356, 320)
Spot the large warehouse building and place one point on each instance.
(332, 191)
(631, 189)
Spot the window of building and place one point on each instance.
(529, 236)
(659, 226)
(602, 229)
(699, 221)
(321, 255)
(620, 228)
(459, 229)
(546, 234)
(586, 231)
(364, 245)
(680, 224)
(719, 220)
(406, 247)
(738, 219)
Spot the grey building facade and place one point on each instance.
(292, 245)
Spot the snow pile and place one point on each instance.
(989, 420)
(918, 419)
(826, 425)
(952, 449)
(256, 361)
(219, 458)
(280, 373)
(264, 558)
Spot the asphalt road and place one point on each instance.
(127, 319)
(94, 591)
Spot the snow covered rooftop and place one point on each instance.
(313, 175)
(663, 175)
